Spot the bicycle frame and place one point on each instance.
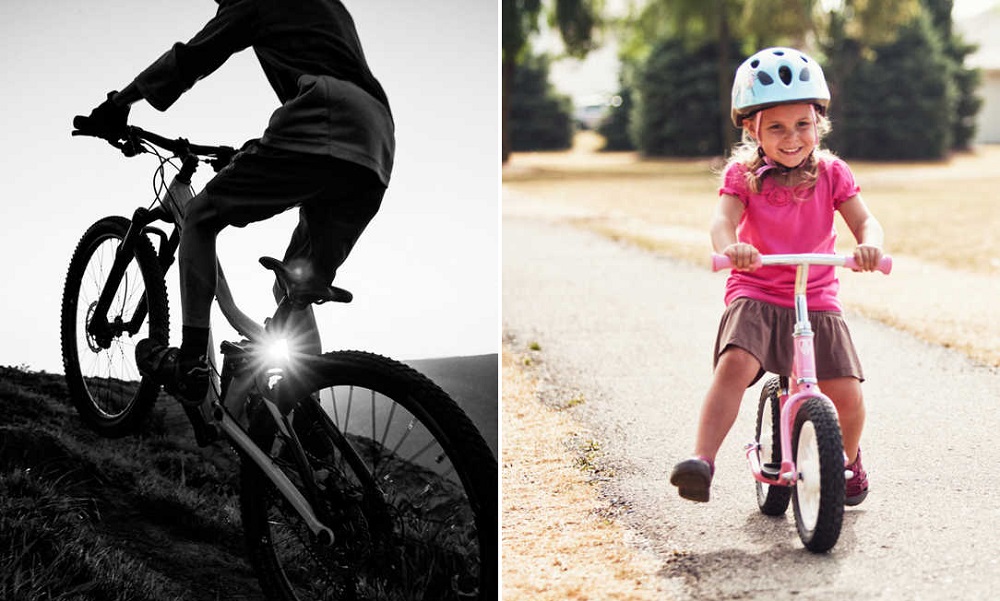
(803, 383)
(228, 408)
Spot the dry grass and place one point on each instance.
(942, 212)
(556, 544)
(940, 218)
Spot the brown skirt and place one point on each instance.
(765, 331)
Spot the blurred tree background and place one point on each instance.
(896, 69)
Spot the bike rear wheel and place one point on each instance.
(819, 492)
(772, 500)
(406, 482)
(103, 381)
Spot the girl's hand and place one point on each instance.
(867, 256)
(745, 257)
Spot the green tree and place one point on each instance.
(966, 80)
(540, 118)
(898, 105)
(576, 20)
(679, 104)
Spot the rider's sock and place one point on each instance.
(194, 344)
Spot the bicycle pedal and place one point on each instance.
(771, 470)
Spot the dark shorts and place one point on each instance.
(336, 200)
(765, 331)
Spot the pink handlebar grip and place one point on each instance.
(884, 264)
(720, 262)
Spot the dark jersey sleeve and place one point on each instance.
(176, 71)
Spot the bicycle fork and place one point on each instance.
(99, 327)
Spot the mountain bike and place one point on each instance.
(797, 453)
(360, 478)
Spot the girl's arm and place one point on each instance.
(727, 216)
(867, 231)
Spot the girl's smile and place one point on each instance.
(787, 132)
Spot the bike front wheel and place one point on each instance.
(103, 381)
(819, 492)
(403, 479)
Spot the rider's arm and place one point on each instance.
(867, 231)
(129, 95)
(230, 31)
(727, 217)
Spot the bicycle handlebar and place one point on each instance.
(720, 262)
(129, 144)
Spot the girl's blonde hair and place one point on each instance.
(747, 152)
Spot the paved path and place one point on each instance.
(632, 332)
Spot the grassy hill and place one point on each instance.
(147, 517)
(150, 517)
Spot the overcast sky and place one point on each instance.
(425, 274)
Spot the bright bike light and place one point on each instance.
(277, 351)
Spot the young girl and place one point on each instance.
(779, 195)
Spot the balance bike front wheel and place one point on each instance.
(818, 497)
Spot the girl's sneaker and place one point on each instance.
(857, 485)
(693, 478)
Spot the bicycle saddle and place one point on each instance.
(300, 289)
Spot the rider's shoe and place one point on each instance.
(693, 478)
(857, 485)
(188, 383)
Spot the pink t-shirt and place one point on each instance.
(775, 221)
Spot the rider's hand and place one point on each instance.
(867, 256)
(109, 119)
(745, 257)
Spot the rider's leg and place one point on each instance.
(847, 397)
(196, 257)
(326, 233)
(734, 372)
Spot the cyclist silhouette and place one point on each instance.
(328, 149)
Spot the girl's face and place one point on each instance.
(786, 132)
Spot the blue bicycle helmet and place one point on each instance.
(777, 76)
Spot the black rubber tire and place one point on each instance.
(772, 500)
(104, 383)
(375, 536)
(822, 535)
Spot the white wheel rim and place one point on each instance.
(808, 487)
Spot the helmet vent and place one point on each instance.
(804, 76)
(785, 74)
(779, 53)
(754, 63)
(764, 78)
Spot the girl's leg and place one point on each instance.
(847, 397)
(735, 371)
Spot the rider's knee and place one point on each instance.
(735, 362)
(202, 216)
(845, 393)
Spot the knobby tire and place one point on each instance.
(104, 383)
(824, 534)
(432, 536)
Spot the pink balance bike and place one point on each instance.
(798, 452)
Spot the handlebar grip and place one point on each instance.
(720, 262)
(884, 265)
